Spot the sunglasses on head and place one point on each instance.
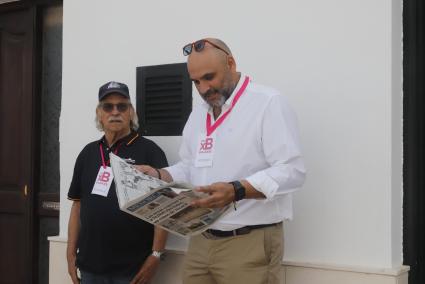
(199, 46)
(109, 107)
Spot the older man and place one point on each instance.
(106, 244)
(242, 146)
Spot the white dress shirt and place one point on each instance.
(258, 141)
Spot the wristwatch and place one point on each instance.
(156, 253)
(239, 190)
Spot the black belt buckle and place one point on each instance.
(242, 231)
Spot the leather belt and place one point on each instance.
(240, 231)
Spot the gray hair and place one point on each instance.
(134, 119)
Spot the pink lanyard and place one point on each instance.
(103, 157)
(219, 121)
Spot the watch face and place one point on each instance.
(156, 254)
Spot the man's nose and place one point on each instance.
(115, 110)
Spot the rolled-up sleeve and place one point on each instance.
(281, 147)
(179, 171)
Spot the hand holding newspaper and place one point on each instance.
(166, 205)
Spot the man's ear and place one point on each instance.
(231, 63)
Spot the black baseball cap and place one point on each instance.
(113, 88)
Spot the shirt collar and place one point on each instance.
(127, 140)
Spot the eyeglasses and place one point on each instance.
(199, 46)
(109, 107)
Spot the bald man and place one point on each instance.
(242, 147)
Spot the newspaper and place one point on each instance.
(166, 205)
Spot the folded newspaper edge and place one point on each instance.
(162, 204)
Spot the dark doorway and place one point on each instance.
(17, 140)
(30, 98)
(414, 139)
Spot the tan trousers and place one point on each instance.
(254, 258)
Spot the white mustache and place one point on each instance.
(115, 119)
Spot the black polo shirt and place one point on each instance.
(111, 241)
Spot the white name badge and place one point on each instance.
(205, 151)
(103, 181)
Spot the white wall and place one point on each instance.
(339, 63)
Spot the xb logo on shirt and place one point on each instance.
(206, 144)
(104, 177)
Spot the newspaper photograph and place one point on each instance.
(162, 204)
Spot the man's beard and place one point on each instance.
(224, 93)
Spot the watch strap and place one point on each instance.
(239, 190)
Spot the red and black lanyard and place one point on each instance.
(105, 164)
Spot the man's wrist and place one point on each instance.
(158, 171)
(239, 190)
(157, 253)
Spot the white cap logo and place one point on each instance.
(113, 85)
